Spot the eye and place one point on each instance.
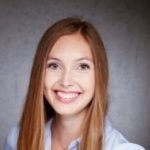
(53, 66)
(84, 67)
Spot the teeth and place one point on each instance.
(67, 96)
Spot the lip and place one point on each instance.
(67, 100)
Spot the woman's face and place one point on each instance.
(70, 78)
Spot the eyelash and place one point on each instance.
(81, 66)
(84, 66)
(53, 66)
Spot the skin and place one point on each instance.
(69, 87)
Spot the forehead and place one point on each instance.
(69, 46)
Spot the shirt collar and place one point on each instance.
(74, 143)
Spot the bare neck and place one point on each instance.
(68, 125)
(66, 129)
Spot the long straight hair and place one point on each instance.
(37, 110)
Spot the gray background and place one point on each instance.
(125, 29)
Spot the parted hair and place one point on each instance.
(37, 111)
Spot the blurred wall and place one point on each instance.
(125, 28)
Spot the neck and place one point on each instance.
(67, 128)
(68, 125)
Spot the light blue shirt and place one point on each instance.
(114, 140)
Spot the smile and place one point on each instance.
(67, 97)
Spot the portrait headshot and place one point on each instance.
(75, 75)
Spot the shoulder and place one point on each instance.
(114, 140)
(11, 140)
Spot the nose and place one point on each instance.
(66, 79)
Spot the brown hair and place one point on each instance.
(37, 111)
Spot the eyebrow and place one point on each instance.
(79, 59)
(84, 58)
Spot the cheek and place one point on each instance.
(50, 79)
(49, 82)
(46, 82)
(88, 83)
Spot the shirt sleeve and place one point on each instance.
(128, 146)
(11, 140)
(114, 140)
(119, 142)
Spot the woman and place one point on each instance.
(66, 103)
